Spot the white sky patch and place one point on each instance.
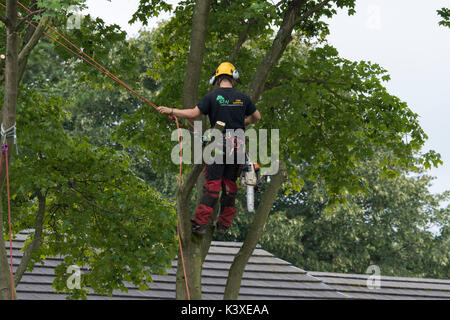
(374, 17)
(120, 12)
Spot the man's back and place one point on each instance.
(227, 105)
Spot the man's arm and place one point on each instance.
(181, 113)
(252, 119)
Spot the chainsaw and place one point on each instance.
(251, 177)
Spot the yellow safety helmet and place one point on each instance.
(225, 68)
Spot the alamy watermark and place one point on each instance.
(75, 18)
(374, 17)
(228, 147)
(374, 280)
(74, 281)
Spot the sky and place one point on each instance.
(121, 11)
(402, 36)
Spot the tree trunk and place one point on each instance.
(37, 240)
(196, 52)
(237, 268)
(193, 268)
(29, 45)
(12, 66)
(2, 70)
(191, 245)
(5, 271)
(9, 120)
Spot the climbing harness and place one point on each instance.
(9, 133)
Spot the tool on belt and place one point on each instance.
(251, 177)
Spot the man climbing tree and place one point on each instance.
(236, 110)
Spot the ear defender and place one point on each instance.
(224, 68)
(235, 74)
(212, 80)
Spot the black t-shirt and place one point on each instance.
(227, 105)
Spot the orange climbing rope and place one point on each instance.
(92, 62)
(180, 140)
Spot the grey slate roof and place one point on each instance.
(265, 278)
(391, 288)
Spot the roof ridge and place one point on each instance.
(359, 276)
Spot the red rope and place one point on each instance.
(100, 67)
(91, 61)
(180, 140)
(5, 153)
(88, 59)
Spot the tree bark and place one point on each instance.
(196, 52)
(29, 45)
(8, 120)
(237, 268)
(5, 271)
(11, 68)
(2, 71)
(37, 241)
(241, 40)
(193, 267)
(192, 246)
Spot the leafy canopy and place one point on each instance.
(99, 214)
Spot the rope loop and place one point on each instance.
(9, 133)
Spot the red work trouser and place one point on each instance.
(218, 177)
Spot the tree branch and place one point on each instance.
(30, 29)
(29, 46)
(29, 16)
(92, 203)
(282, 39)
(244, 35)
(311, 11)
(37, 241)
(241, 40)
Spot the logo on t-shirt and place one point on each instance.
(222, 100)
